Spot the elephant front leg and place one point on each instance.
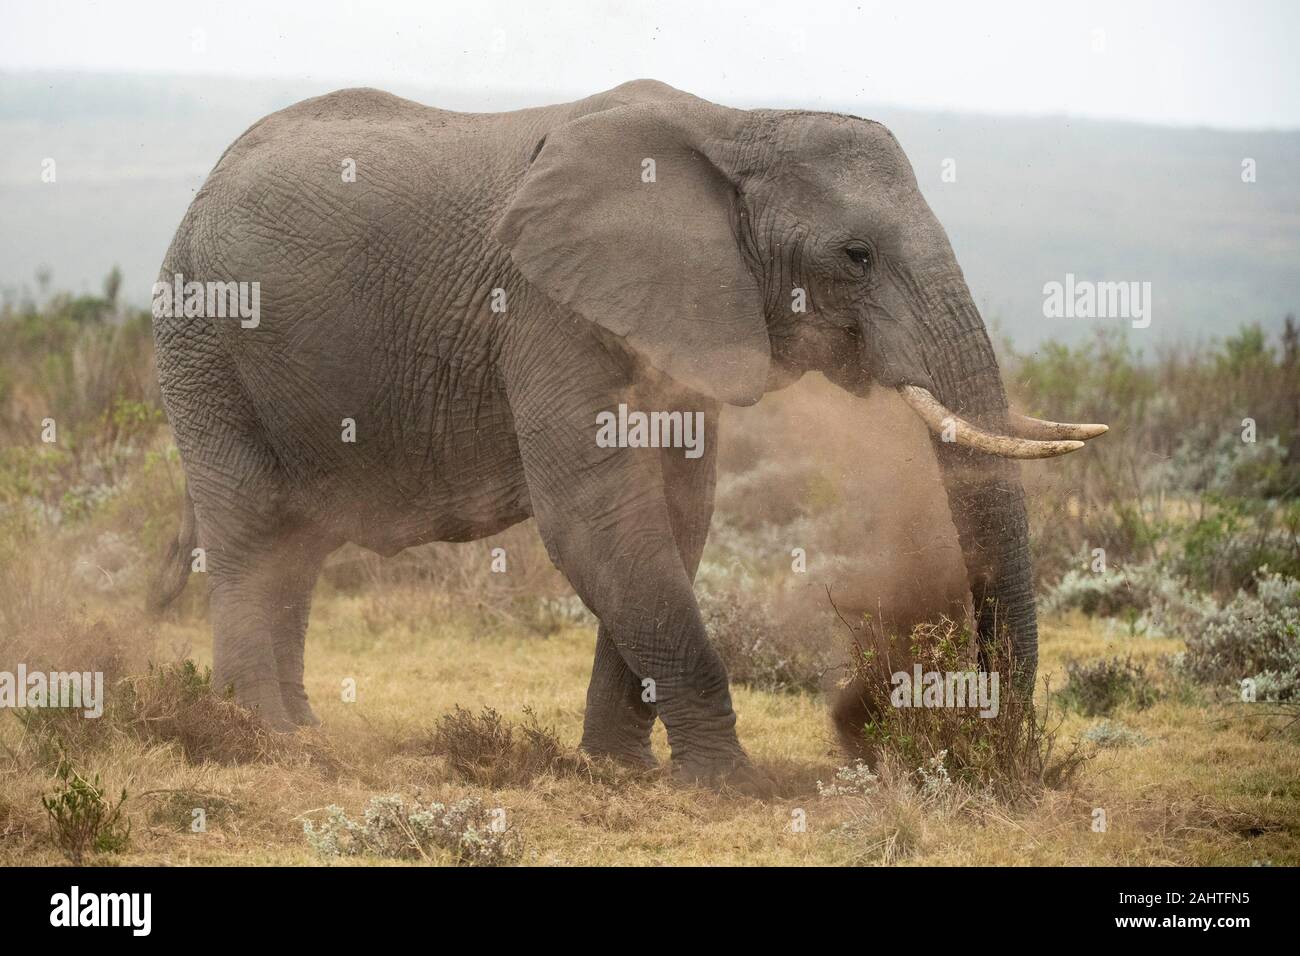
(619, 714)
(608, 527)
(648, 612)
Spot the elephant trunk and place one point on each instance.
(984, 492)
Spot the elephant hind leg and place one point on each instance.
(263, 554)
(297, 579)
(261, 597)
(243, 607)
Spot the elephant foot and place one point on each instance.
(296, 706)
(303, 716)
(637, 758)
(307, 718)
(625, 745)
(263, 700)
(735, 774)
(618, 732)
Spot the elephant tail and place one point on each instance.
(174, 568)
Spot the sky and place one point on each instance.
(1198, 63)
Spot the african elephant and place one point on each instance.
(473, 291)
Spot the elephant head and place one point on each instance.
(736, 250)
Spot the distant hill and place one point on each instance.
(1034, 198)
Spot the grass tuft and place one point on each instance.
(484, 749)
(1012, 754)
(81, 819)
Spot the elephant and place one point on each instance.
(450, 303)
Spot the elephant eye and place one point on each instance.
(859, 255)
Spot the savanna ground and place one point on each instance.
(1143, 648)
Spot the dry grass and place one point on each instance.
(1206, 790)
(484, 749)
(176, 704)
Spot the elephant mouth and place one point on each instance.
(1029, 438)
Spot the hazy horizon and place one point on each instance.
(1193, 63)
(506, 97)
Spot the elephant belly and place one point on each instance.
(439, 468)
(462, 506)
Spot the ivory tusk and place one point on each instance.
(1022, 426)
(943, 423)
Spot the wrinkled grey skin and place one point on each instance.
(671, 293)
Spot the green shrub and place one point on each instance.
(1175, 456)
(1111, 734)
(1252, 636)
(81, 819)
(1222, 550)
(1116, 593)
(1097, 688)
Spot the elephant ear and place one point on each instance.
(625, 219)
